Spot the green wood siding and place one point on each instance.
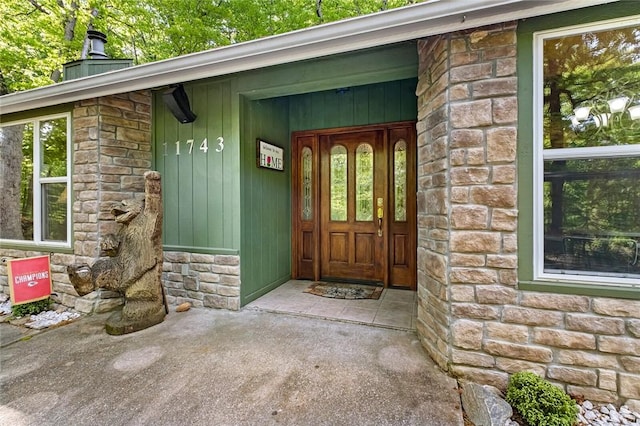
(525, 146)
(355, 106)
(224, 203)
(200, 190)
(266, 200)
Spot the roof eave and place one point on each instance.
(396, 25)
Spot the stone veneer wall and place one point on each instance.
(204, 280)
(472, 319)
(111, 152)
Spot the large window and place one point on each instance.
(35, 174)
(587, 153)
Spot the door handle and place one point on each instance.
(380, 215)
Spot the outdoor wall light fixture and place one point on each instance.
(176, 99)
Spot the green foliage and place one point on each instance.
(37, 37)
(32, 308)
(539, 402)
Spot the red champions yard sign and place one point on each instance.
(29, 279)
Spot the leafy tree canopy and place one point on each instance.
(38, 36)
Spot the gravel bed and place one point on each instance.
(606, 415)
(43, 319)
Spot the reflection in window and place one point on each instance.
(589, 198)
(338, 183)
(364, 182)
(400, 181)
(54, 207)
(34, 172)
(53, 142)
(307, 184)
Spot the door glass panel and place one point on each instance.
(400, 181)
(307, 184)
(339, 183)
(364, 182)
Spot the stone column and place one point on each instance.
(467, 111)
(112, 150)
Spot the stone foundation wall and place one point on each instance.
(472, 318)
(204, 280)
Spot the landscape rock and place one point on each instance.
(49, 318)
(484, 405)
(606, 415)
(183, 307)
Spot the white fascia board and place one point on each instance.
(383, 28)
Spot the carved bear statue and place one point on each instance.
(134, 263)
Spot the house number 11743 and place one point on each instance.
(188, 146)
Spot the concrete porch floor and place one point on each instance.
(395, 309)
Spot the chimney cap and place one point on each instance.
(98, 40)
(93, 34)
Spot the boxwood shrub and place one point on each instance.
(539, 402)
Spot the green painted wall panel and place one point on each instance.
(215, 170)
(266, 200)
(360, 105)
(231, 166)
(199, 169)
(200, 189)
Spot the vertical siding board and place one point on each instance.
(360, 105)
(330, 108)
(284, 225)
(230, 166)
(345, 107)
(376, 104)
(409, 104)
(318, 111)
(297, 110)
(392, 101)
(185, 182)
(214, 167)
(170, 178)
(200, 169)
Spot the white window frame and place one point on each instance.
(540, 155)
(38, 181)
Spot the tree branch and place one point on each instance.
(37, 5)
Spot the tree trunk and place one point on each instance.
(10, 172)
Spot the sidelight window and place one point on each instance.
(307, 184)
(400, 181)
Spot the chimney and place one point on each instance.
(98, 61)
(97, 40)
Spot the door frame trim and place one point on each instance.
(311, 138)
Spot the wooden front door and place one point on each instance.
(354, 204)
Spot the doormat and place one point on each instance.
(344, 291)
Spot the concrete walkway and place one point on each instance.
(206, 367)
